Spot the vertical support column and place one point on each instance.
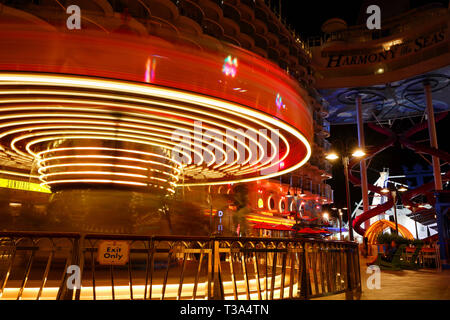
(304, 276)
(394, 197)
(358, 276)
(347, 192)
(433, 136)
(417, 232)
(64, 293)
(362, 163)
(217, 294)
(443, 228)
(349, 274)
(79, 259)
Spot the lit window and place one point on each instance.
(270, 203)
(260, 203)
(282, 205)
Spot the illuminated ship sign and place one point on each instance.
(394, 50)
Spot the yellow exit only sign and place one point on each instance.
(23, 185)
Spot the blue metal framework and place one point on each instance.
(394, 100)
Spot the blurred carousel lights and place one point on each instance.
(150, 66)
(70, 139)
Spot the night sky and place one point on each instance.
(308, 16)
(299, 15)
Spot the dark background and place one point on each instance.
(308, 16)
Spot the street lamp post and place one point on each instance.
(417, 232)
(345, 161)
(394, 197)
(394, 193)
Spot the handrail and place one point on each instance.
(168, 267)
(39, 234)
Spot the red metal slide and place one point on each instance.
(404, 140)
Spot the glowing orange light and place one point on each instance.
(260, 203)
(150, 66)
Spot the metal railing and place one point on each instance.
(33, 265)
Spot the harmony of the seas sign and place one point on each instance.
(394, 52)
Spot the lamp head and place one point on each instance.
(358, 153)
(332, 156)
(385, 190)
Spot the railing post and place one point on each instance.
(210, 268)
(66, 293)
(349, 291)
(304, 289)
(217, 292)
(358, 277)
(80, 262)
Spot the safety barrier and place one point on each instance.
(41, 266)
